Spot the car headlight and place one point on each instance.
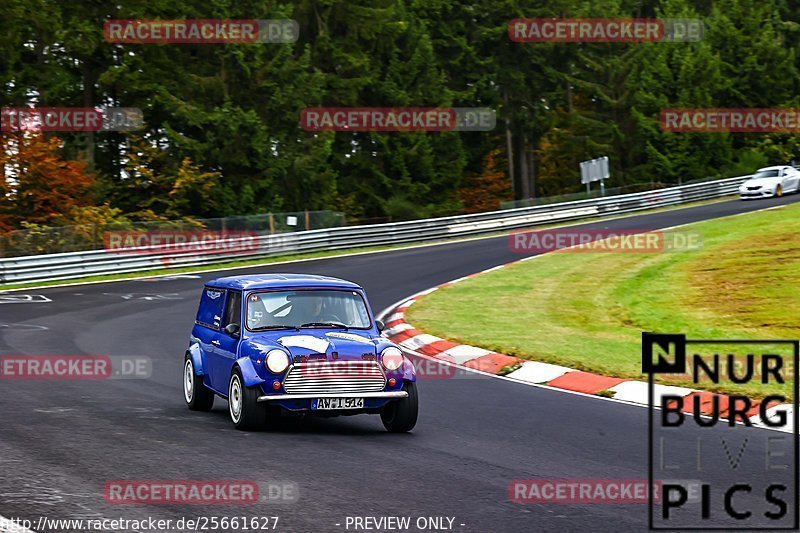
(277, 361)
(392, 358)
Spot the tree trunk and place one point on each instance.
(88, 101)
(532, 171)
(569, 97)
(523, 168)
(509, 143)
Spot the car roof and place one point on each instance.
(280, 281)
(779, 167)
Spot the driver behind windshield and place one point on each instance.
(308, 308)
(303, 308)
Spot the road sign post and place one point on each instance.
(595, 170)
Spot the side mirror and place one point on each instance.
(381, 325)
(232, 329)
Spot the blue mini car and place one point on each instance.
(277, 343)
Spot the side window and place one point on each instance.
(210, 312)
(359, 310)
(233, 309)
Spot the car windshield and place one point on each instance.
(307, 309)
(765, 174)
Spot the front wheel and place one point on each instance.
(400, 416)
(198, 397)
(778, 191)
(246, 413)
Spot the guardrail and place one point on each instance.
(39, 240)
(98, 262)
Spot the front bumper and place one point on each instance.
(301, 402)
(763, 193)
(388, 395)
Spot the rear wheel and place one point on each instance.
(246, 413)
(198, 397)
(400, 416)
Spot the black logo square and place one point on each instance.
(663, 353)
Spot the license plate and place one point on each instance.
(337, 403)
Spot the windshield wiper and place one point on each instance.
(262, 328)
(324, 325)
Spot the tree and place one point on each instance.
(40, 185)
(485, 191)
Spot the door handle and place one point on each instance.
(215, 342)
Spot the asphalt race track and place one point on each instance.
(62, 441)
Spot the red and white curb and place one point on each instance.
(399, 331)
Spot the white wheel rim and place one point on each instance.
(235, 398)
(188, 381)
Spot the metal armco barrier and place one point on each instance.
(98, 262)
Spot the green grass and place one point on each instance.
(281, 259)
(588, 310)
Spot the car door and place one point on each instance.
(226, 345)
(206, 332)
(794, 184)
(788, 181)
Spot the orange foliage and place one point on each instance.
(37, 184)
(485, 191)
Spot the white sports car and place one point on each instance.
(770, 181)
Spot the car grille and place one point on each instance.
(753, 188)
(331, 377)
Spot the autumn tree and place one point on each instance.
(39, 185)
(485, 191)
(155, 188)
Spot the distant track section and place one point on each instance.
(99, 262)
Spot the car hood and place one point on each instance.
(763, 182)
(333, 345)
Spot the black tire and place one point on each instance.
(778, 191)
(197, 396)
(252, 416)
(400, 416)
